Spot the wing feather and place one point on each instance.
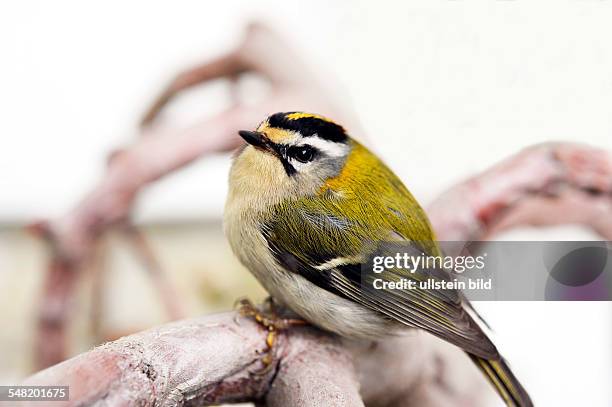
(314, 236)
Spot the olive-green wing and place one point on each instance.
(327, 239)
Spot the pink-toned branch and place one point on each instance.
(543, 185)
(210, 360)
(73, 236)
(213, 359)
(167, 292)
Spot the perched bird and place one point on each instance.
(307, 205)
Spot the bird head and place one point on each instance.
(296, 150)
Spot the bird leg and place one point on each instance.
(268, 317)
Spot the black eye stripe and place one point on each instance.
(281, 153)
(289, 169)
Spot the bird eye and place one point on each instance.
(303, 154)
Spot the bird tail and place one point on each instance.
(501, 377)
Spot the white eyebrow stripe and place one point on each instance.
(330, 148)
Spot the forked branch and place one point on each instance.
(213, 359)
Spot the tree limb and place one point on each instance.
(212, 360)
(72, 237)
(543, 185)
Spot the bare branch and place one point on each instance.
(206, 361)
(213, 359)
(72, 237)
(543, 185)
(167, 293)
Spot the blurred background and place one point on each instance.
(443, 89)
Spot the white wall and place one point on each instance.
(444, 89)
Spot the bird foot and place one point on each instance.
(268, 317)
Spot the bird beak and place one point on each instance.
(256, 139)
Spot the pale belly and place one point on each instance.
(325, 309)
(316, 305)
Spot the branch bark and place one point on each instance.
(72, 237)
(214, 359)
(543, 185)
(211, 359)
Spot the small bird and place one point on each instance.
(306, 205)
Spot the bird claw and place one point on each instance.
(271, 321)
